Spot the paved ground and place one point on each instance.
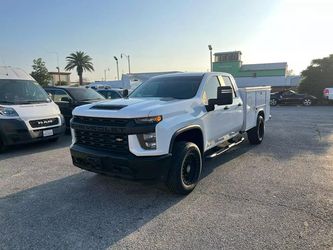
(276, 195)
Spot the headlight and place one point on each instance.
(149, 120)
(147, 141)
(9, 112)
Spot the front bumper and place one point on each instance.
(127, 166)
(15, 131)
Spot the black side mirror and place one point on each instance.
(224, 95)
(125, 93)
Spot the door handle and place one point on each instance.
(226, 107)
(239, 104)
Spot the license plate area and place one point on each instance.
(48, 132)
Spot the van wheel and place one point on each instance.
(256, 134)
(185, 171)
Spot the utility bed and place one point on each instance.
(255, 98)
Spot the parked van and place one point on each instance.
(328, 94)
(27, 113)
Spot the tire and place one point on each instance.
(273, 102)
(256, 134)
(185, 171)
(307, 102)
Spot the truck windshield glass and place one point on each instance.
(21, 92)
(178, 87)
(84, 94)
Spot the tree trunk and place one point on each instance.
(80, 79)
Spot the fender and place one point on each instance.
(180, 131)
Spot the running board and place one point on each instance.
(222, 150)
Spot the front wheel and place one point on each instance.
(186, 168)
(256, 134)
(307, 102)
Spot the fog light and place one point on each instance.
(147, 141)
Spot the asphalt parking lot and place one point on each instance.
(276, 195)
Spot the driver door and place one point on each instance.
(214, 120)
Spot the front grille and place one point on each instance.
(109, 142)
(44, 122)
(114, 122)
(102, 133)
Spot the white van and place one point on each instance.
(26, 112)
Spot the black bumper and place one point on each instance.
(126, 166)
(15, 131)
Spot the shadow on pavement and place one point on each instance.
(82, 211)
(36, 147)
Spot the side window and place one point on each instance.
(227, 82)
(59, 95)
(114, 95)
(210, 89)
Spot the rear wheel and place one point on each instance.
(256, 134)
(307, 102)
(186, 168)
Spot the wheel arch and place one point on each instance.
(192, 133)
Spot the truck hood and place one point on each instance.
(136, 107)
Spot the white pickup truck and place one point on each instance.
(165, 127)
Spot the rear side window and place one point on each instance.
(226, 81)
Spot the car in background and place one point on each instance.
(68, 98)
(292, 97)
(111, 93)
(328, 94)
(27, 114)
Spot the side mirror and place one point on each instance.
(66, 99)
(125, 93)
(224, 97)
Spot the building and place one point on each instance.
(64, 78)
(246, 75)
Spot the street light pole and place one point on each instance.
(115, 58)
(128, 61)
(108, 69)
(211, 57)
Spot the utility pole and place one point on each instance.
(211, 57)
(128, 61)
(115, 58)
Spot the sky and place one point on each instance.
(164, 35)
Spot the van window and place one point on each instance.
(21, 92)
(59, 94)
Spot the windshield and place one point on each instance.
(21, 92)
(84, 94)
(178, 87)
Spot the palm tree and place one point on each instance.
(81, 61)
